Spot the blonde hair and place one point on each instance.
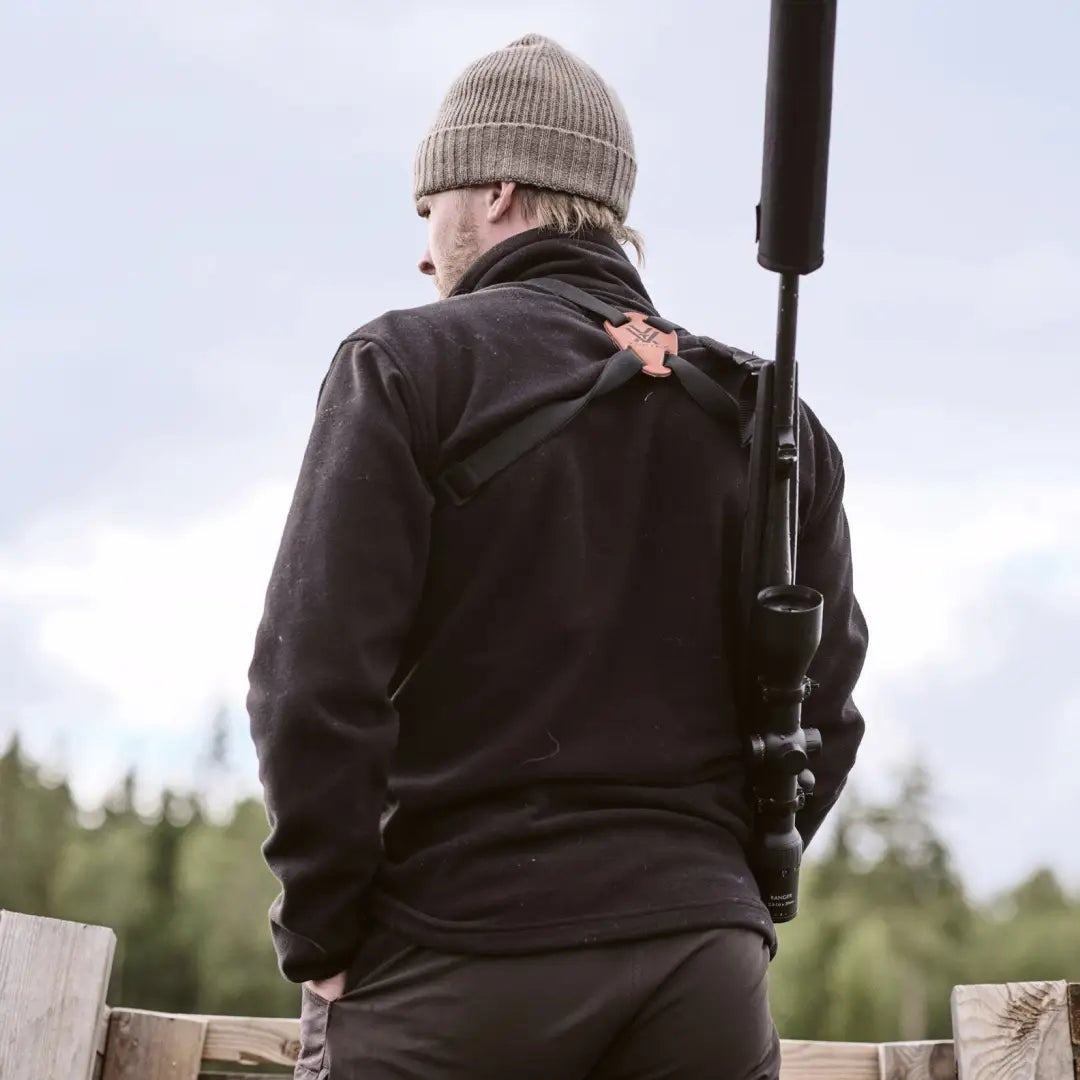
(573, 213)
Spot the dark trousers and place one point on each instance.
(688, 1006)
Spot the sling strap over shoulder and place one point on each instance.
(648, 345)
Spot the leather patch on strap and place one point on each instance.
(647, 343)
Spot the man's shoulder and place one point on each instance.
(750, 364)
(449, 322)
(748, 360)
(822, 461)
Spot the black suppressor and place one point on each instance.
(798, 110)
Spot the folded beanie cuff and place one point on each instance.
(533, 154)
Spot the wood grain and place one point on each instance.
(260, 1040)
(236, 1040)
(99, 1047)
(1009, 1032)
(917, 1061)
(1012, 1031)
(53, 978)
(146, 1045)
(800, 1060)
(243, 1076)
(253, 1040)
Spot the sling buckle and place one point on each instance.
(649, 344)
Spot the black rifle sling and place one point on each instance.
(461, 481)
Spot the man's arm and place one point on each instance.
(825, 563)
(344, 587)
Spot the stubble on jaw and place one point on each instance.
(463, 252)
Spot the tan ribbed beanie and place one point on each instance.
(534, 113)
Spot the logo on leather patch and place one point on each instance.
(647, 343)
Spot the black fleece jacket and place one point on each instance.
(510, 725)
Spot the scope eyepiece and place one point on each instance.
(777, 858)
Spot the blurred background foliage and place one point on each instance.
(885, 930)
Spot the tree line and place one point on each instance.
(885, 930)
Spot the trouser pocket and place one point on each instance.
(314, 1018)
(379, 953)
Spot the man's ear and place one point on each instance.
(500, 200)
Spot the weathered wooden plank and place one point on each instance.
(145, 1045)
(242, 1076)
(238, 1040)
(1074, 1025)
(801, 1060)
(257, 1040)
(252, 1040)
(917, 1061)
(245, 1076)
(1012, 1031)
(99, 1049)
(53, 978)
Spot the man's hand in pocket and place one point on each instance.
(329, 989)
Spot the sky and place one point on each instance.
(202, 199)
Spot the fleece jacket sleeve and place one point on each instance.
(346, 581)
(825, 564)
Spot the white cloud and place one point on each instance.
(962, 295)
(926, 554)
(162, 623)
(334, 53)
(928, 560)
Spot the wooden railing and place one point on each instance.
(56, 1025)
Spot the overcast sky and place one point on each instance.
(200, 200)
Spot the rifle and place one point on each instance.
(781, 621)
